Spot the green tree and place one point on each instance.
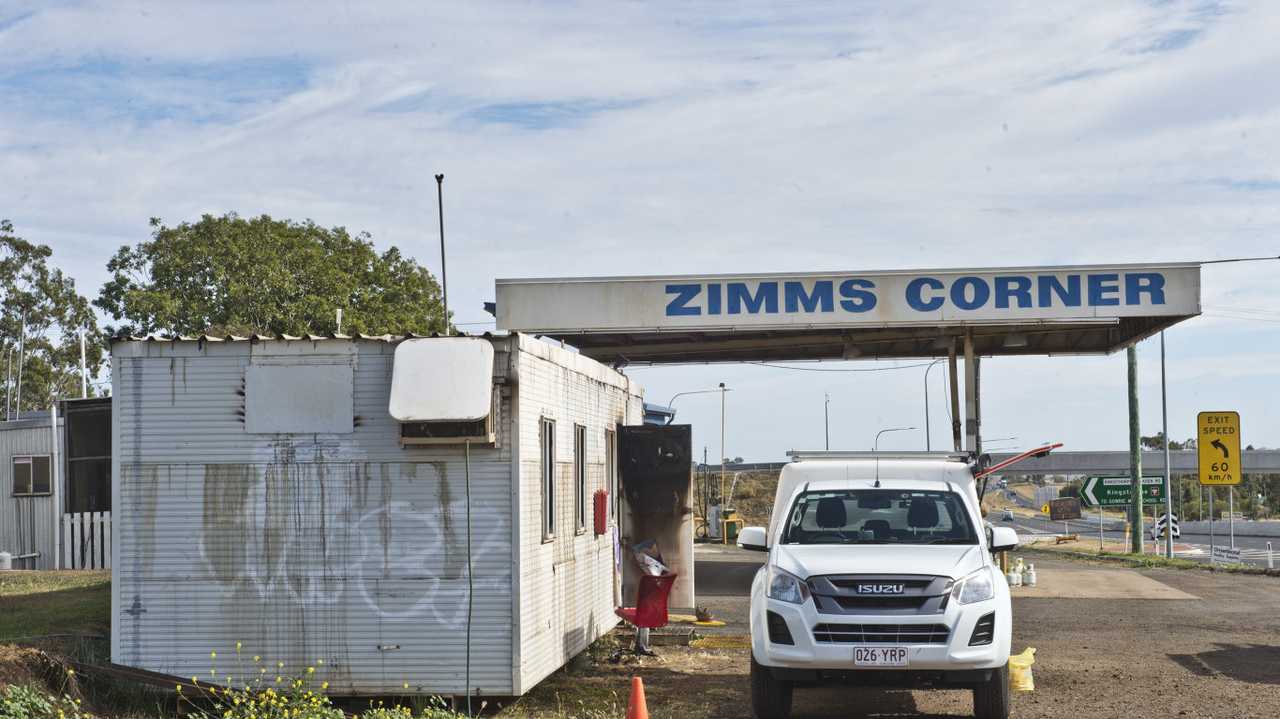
(1156, 442)
(233, 275)
(41, 319)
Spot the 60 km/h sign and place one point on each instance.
(1218, 445)
(1118, 491)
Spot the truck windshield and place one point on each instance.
(879, 516)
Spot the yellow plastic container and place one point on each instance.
(1020, 670)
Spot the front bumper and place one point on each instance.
(952, 662)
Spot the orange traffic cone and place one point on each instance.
(636, 707)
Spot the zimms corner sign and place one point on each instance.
(921, 294)
(927, 297)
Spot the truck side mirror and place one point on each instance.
(1003, 539)
(753, 538)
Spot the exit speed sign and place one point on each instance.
(1218, 445)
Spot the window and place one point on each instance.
(580, 478)
(611, 471)
(88, 456)
(31, 475)
(879, 516)
(548, 440)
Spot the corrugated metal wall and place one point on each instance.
(341, 547)
(27, 524)
(567, 584)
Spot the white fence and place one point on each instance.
(86, 540)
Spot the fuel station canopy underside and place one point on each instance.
(1093, 309)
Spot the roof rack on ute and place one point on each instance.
(805, 455)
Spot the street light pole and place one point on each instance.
(875, 447)
(928, 446)
(723, 459)
(826, 419)
(1168, 475)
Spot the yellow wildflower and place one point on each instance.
(213, 655)
(237, 646)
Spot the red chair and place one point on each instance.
(650, 611)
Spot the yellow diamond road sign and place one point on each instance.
(1218, 443)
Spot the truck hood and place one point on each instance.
(812, 560)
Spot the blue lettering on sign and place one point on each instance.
(679, 305)
(960, 295)
(766, 297)
(922, 294)
(821, 299)
(1101, 287)
(857, 295)
(1010, 288)
(915, 294)
(1139, 283)
(1049, 286)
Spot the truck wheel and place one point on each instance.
(991, 700)
(770, 698)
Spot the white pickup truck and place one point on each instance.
(880, 573)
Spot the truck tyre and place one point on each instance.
(770, 698)
(991, 700)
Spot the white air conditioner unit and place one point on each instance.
(442, 391)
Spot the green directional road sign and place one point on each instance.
(1117, 491)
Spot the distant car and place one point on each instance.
(1006, 515)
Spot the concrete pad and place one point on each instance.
(1089, 582)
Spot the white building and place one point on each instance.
(265, 494)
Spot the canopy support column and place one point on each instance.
(953, 376)
(972, 406)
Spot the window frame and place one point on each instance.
(580, 479)
(13, 475)
(611, 473)
(547, 480)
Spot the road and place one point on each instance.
(1188, 546)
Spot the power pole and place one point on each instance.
(1135, 455)
(1168, 472)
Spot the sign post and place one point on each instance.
(1218, 451)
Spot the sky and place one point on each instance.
(602, 138)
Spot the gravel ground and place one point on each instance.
(1213, 656)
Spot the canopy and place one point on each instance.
(1088, 309)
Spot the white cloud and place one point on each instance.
(642, 138)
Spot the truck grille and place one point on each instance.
(881, 633)
(880, 594)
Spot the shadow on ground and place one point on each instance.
(1255, 663)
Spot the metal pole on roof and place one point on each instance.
(8, 388)
(84, 370)
(22, 342)
(444, 275)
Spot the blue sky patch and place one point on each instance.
(541, 115)
(98, 89)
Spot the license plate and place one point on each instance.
(880, 656)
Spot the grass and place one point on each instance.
(1148, 561)
(41, 604)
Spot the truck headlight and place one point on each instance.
(977, 587)
(786, 587)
